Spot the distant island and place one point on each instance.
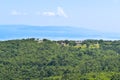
(53, 32)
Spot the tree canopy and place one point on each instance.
(34, 59)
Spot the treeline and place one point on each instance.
(34, 59)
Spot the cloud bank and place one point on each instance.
(16, 13)
(49, 13)
(59, 12)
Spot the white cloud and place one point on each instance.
(49, 13)
(60, 12)
(16, 13)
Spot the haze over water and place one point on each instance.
(65, 19)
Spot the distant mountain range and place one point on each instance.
(52, 32)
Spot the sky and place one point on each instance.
(101, 15)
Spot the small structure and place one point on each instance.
(39, 40)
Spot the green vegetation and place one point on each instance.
(34, 59)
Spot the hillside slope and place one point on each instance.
(33, 59)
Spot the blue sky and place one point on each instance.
(101, 15)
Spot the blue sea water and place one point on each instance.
(51, 32)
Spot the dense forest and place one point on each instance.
(34, 59)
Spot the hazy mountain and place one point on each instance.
(52, 32)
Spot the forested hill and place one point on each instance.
(34, 59)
